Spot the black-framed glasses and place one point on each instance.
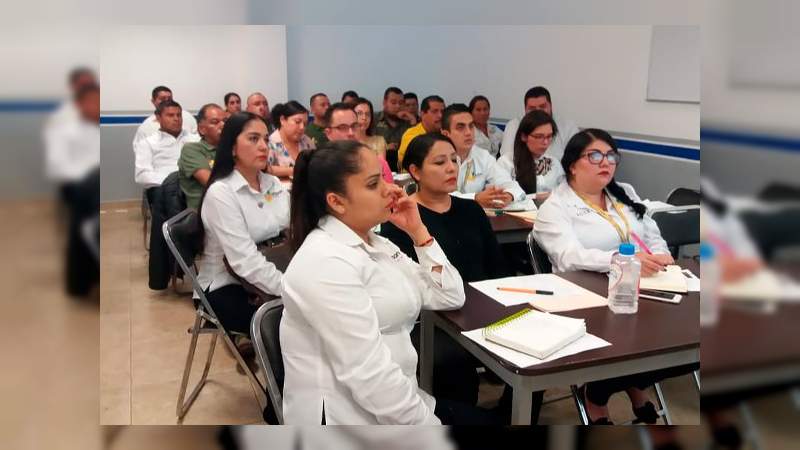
(596, 157)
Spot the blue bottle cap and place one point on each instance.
(706, 250)
(627, 249)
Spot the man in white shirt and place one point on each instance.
(151, 125)
(539, 98)
(479, 175)
(157, 155)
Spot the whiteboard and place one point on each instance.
(674, 74)
(200, 64)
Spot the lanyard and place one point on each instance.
(469, 174)
(624, 236)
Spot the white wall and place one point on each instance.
(199, 63)
(596, 74)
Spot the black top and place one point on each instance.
(465, 235)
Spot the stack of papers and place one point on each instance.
(763, 285)
(567, 296)
(672, 280)
(527, 216)
(535, 333)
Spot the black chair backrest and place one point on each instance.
(270, 335)
(780, 192)
(680, 226)
(539, 259)
(684, 197)
(184, 230)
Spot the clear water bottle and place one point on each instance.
(709, 286)
(623, 281)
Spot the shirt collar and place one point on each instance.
(268, 183)
(344, 234)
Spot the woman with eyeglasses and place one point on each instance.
(582, 225)
(289, 139)
(529, 164)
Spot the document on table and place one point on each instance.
(692, 281)
(519, 359)
(765, 285)
(672, 280)
(567, 296)
(528, 216)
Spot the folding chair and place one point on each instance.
(683, 197)
(180, 233)
(265, 330)
(662, 410)
(539, 259)
(679, 226)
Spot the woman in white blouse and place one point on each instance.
(582, 225)
(529, 164)
(241, 206)
(487, 136)
(351, 297)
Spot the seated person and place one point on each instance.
(487, 136)
(233, 104)
(463, 231)
(351, 298)
(350, 97)
(197, 158)
(151, 124)
(582, 225)
(343, 125)
(289, 139)
(157, 155)
(366, 135)
(430, 122)
(529, 164)
(241, 207)
(479, 176)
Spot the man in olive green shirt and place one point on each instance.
(392, 122)
(318, 104)
(197, 158)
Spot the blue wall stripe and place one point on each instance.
(659, 149)
(122, 120)
(751, 140)
(28, 106)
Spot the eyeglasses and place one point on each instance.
(344, 128)
(541, 137)
(596, 157)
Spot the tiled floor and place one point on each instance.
(143, 346)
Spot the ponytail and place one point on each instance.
(619, 193)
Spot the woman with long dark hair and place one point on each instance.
(241, 206)
(351, 297)
(529, 164)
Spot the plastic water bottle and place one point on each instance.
(623, 281)
(709, 286)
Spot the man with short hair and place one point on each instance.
(391, 125)
(151, 125)
(411, 104)
(319, 105)
(350, 97)
(538, 97)
(430, 121)
(197, 158)
(157, 155)
(257, 104)
(480, 177)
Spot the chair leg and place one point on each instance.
(662, 404)
(582, 414)
(751, 430)
(260, 388)
(696, 376)
(183, 406)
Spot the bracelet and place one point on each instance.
(426, 243)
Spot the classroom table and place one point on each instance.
(509, 229)
(750, 349)
(659, 336)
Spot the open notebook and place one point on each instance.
(673, 280)
(535, 333)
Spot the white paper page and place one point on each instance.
(672, 280)
(587, 342)
(692, 281)
(544, 282)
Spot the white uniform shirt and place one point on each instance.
(576, 237)
(151, 126)
(72, 145)
(480, 169)
(552, 174)
(157, 156)
(566, 129)
(349, 309)
(236, 217)
(491, 142)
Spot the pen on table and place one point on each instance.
(525, 291)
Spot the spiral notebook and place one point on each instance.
(535, 333)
